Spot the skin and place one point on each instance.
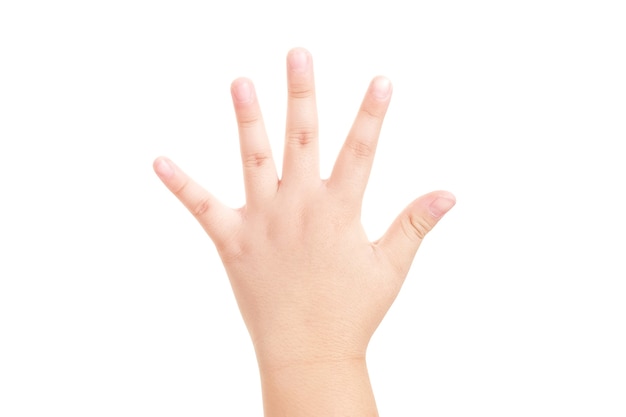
(311, 287)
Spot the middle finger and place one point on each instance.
(301, 155)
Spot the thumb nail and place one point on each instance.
(441, 205)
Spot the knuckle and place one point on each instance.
(201, 208)
(255, 160)
(371, 113)
(301, 91)
(360, 149)
(231, 253)
(249, 121)
(301, 136)
(416, 227)
(178, 191)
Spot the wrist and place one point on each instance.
(329, 387)
(281, 352)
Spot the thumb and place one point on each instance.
(406, 233)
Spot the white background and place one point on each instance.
(113, 301)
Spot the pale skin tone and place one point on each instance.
(311, 287)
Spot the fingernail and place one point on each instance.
(381, 88)
(163, 168)
(242, 92)
(440, 206)
(298, 60)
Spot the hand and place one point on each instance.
(310, 286)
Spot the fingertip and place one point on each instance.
(163, 168)
(242, 90)
(298, 59)
(381, 87)
(298, 50)
(441, 203)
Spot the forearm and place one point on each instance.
(329, 389)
